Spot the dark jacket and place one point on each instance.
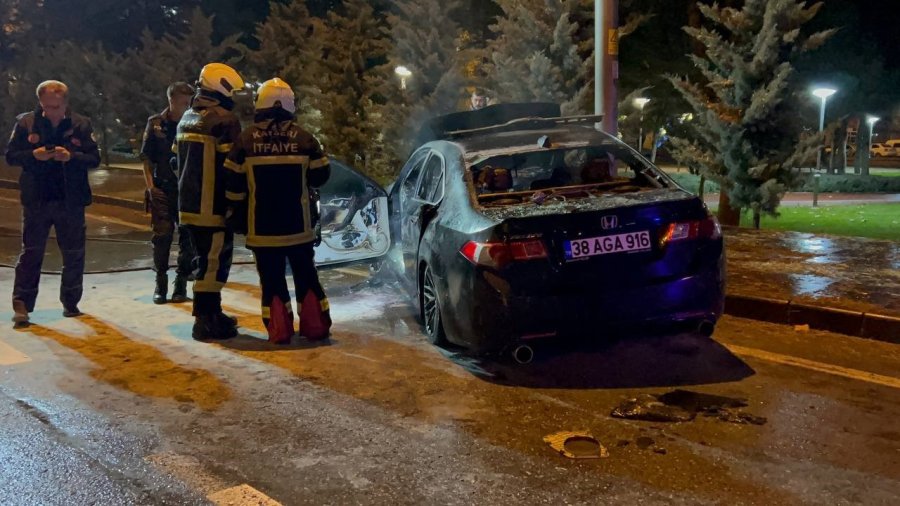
(52, 180)
(159, 135)
(206, 133)
(273, 166)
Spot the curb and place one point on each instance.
(873, 326)
(99, 199)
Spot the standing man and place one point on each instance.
(205, 135)
(55, 148)
(162, 189)
(272, 168)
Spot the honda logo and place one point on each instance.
(609, 222)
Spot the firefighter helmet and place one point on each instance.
(220, 78)
(275, 93)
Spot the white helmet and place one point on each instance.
(275, 93)
(221, 78)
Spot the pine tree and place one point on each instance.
(425, 37)
(160, 61)
(746, 135)
(535, 56)
(291, 46)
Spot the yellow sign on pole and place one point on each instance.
(612, 42)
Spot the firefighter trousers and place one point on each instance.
(270, 264)
(68, 221)
(163, 223)
(214, 248)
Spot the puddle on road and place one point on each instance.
(137, 367)
(684, 406)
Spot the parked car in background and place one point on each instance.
(883, 149)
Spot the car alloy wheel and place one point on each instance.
(431, 311)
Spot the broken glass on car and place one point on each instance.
(560, 174)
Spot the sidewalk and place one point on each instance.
(842, 284)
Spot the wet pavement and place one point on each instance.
(844, 272)
(121, 406)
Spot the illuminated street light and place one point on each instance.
(822, 93)
(871, 120)
(404, 73)
(641, 102)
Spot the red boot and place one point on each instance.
(281, 322)
(315, 323)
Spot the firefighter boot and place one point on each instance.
(159, 294)
(179, 290)
(281, 322)
(313, 323)
(214, 326)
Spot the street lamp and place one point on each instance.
(871, 120)
(404, 73)
(641, 102)
(822, 93)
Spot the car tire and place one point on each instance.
(431, 310)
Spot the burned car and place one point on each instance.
(512, 224)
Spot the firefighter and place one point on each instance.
(205, 135)
(273, 169)
(162, 194)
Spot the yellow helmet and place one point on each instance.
(275, 93)
(221, 78)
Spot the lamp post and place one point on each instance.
(641, 102)
(404, 73)
(871, 120)
(822, 93)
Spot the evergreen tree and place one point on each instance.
(425, 38)
(160, 61)
(535, 56)
(747, 136)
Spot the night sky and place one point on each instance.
(881, 20)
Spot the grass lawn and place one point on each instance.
(876, 221)
(884, 172)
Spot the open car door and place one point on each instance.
(353, 218)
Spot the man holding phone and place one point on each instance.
(55, 148)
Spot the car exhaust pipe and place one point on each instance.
(523, 354)
(706, 328)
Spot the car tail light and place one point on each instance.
(707, 228)
(500, 254)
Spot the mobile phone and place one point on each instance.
(50, 147)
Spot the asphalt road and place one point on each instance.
(122, 407)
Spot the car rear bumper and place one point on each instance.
(501, 321)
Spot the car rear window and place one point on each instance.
(561, 172)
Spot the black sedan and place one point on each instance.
(542, 227)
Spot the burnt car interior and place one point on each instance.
(559, 174)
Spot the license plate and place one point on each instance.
(604, 245)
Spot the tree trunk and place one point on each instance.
(839, 148)
(702, 190)
(727, 215)
(653, 148)
(862, 149)
(756, 219)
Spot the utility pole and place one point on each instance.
(606, 63)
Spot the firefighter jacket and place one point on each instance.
(53, 180)
(273, 166)
(157, 148)
(205, 135)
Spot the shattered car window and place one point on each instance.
(579, 172)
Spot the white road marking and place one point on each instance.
(835, 370)
(240, 496)
(11, 356)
